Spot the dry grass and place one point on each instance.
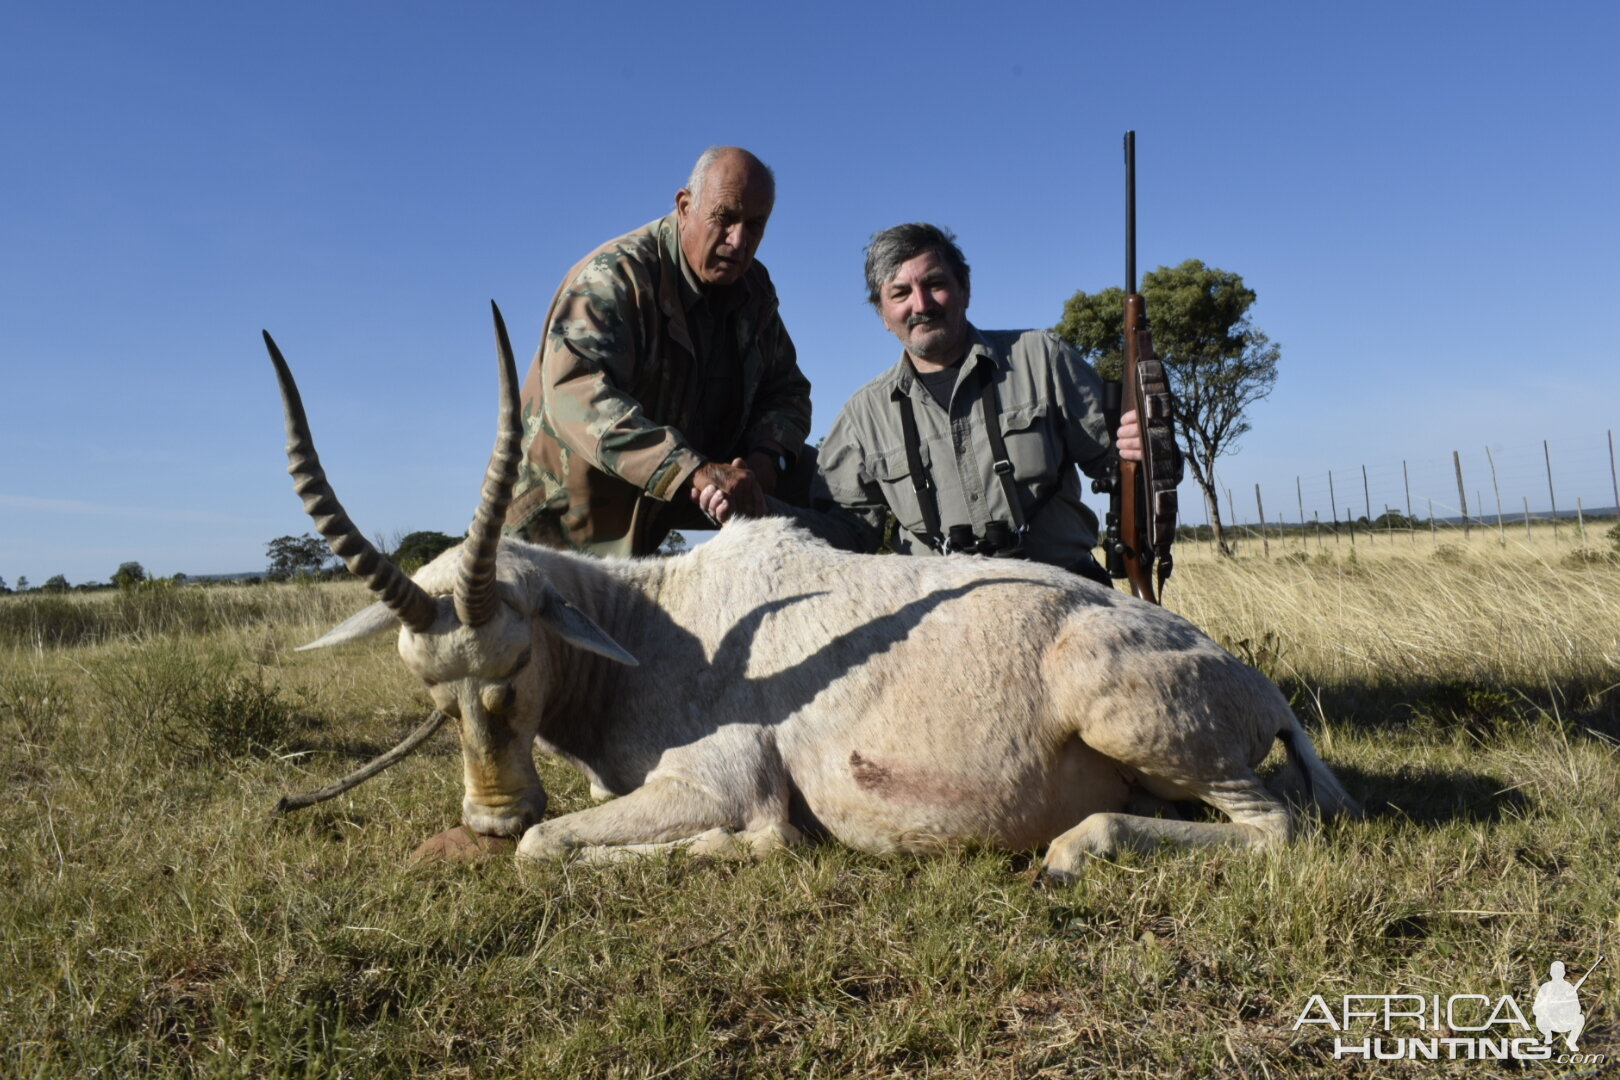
(156, 924)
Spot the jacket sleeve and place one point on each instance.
(595, 339)
(781, 411)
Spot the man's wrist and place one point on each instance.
(779, 459)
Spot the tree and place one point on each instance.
(3, 588)
(129, 575)
(417, 549)
(1218, 362)
(56, 583)
(22, 582)
(290, 555)
(673, 544)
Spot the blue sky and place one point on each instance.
(1420, 193)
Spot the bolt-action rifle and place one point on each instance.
(1142, 497)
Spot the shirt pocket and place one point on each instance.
(892, 473)
(1033, 443)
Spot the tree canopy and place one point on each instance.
(1218, 362)
(129, 575)
(290, 555)
(417, 549)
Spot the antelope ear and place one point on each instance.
(371, 620)
(575, 627)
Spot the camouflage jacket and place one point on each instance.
(614, 416)
(1050, 412)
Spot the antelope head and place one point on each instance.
(474, 648)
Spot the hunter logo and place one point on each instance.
(1393, 1027)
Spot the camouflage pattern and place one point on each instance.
(1051, 420)
(614, 415)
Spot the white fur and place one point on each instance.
(895, 703)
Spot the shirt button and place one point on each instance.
(974, 497)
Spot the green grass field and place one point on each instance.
(156, 922)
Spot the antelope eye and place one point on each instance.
(498, 698)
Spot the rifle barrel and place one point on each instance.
(1130, 212)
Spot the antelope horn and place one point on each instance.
(398, 593)
(476, 599)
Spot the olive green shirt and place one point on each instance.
(1050, 412)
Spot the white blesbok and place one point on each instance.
(784, 688)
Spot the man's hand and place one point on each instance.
(1129, 439)
(723, 490)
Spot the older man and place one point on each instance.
(664, 371)
(922, 440)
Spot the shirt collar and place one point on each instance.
(978, 354)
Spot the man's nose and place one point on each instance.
(737, 236)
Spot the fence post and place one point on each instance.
(1462, 496)
(1500, 528)
(1411, 526)
(1265, 544)
(1551, 498)
(1434, 530)
(1300, 495)
(1333, 501)
(1612, 478)
(1580, 518)
(1528, 536)
(1366, 498)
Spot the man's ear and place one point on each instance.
(683, 203)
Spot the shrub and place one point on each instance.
(1583, 557)
(203, 706)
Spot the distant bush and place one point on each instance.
(418, 549)
(1583, 557)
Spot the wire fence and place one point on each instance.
(1568, 484)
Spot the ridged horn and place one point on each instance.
(476, 598)
(399, 593)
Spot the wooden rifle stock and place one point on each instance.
(1147, 495)
(1136, 505)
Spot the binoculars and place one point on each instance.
(1000, 540)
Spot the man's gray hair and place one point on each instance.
(891, 248)
(694, 182)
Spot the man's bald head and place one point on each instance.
(732, 159)
(722, 212)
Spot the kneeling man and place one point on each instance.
(972, 438)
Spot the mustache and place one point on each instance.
(922, 318)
